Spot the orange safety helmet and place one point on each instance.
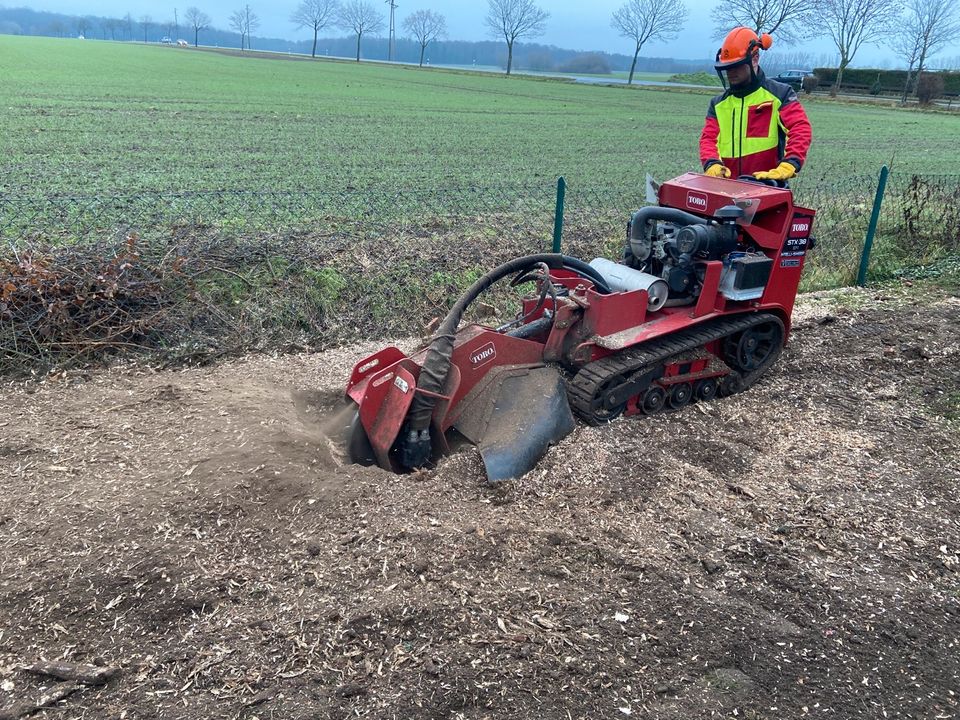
(739, 47)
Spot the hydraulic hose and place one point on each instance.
(436, 365)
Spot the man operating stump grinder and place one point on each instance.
(756, 127)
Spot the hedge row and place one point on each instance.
(891, 81)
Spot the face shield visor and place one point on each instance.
(740, 47)
(723, 68)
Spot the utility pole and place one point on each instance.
(393, 30)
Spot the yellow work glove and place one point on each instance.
(783, 171)
(717, 170)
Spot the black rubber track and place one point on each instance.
(582, 389)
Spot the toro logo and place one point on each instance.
(697, 201)
(800, 228)
(483, 355)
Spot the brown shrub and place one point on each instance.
(810, 83)
(929, 87)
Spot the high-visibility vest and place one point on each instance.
(757, 131)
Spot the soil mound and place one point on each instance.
(791, 550)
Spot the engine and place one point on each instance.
(673, 246)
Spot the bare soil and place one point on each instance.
(788, 552)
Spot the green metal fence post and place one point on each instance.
(872, 228)
(558, 214)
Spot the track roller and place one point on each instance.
(653, 400)
(705, 390)
(681, 394)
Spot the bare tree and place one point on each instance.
(791, 20)
(947, 63)
(128, 25)
(83, 25)
(851, 23)
(906, 44)
(245, 22)
(146, 22)
(250, 24)
(776, 62)
(359, 17)
(110, 26)
(426, 26)
(643, 20)
(927, 28)
(236, 24)
(57, 26)
(198, 21)
(513, 19)
(316, 15)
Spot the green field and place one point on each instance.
(89, 117)
(403, 183)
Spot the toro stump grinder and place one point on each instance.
(699, 307)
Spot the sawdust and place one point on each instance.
(789, 551)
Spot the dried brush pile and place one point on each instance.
(64, 305)
(195, 294)
(185, 301)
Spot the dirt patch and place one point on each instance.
(789, 551)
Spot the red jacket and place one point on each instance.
(754, 129)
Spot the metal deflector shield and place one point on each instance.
(514, 416)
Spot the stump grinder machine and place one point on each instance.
(699, 307)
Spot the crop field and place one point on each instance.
(85, 117)
(299, 197)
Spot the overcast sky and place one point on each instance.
(573, 24)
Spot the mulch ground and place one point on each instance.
(788, 552)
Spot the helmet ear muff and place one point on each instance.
(766, 42)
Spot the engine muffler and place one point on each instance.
(621, 278)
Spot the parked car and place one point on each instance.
(793, 78)
(182, 43)
(166, 41)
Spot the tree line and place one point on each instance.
(532, 55)
(915, 31)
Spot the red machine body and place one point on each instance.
(771, 221)
(612, 349)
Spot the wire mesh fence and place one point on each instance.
(72, 219)
(194, 275)
(919, 224)
(843, 208)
